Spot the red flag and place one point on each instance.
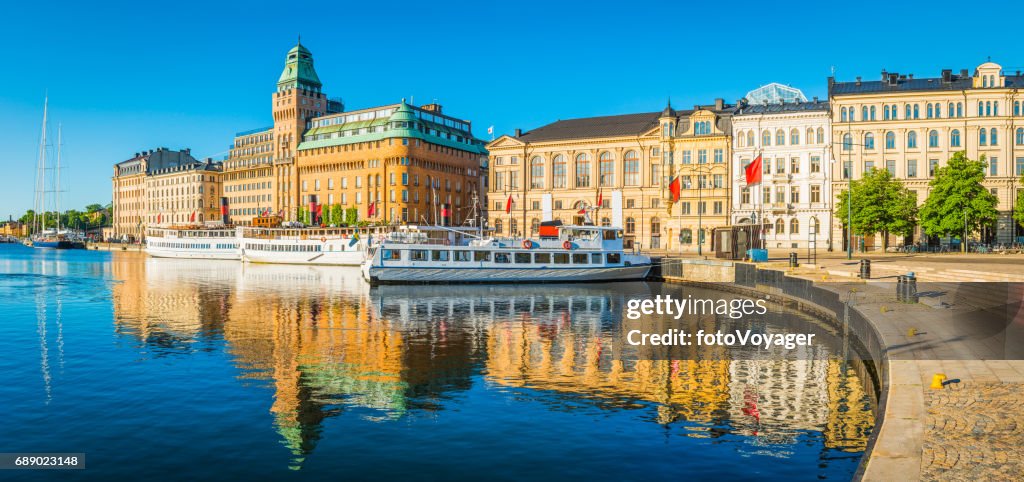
(508, 205)
(159, 217)
(372, 210)
(753, 171)
(600, 197)
(192, 218)
(582, 211)
(675, 187)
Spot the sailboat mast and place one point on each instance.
(57, 176)
(42, 171)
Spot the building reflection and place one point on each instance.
(327, 345)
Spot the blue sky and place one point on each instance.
(129, 76)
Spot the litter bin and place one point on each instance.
(757, 255)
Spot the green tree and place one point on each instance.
(337, 214)
(1018, 207)
(881, 204)
(91, 208)
(351, 216)
(957, 201)
(303, 215)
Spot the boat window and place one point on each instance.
(481, 255)
(561, 258)
(614, 258)
(501, 258)
(390, 254)
(522, 258)
(595, 258)
(418, 255)
(609, 234)
(462, 255)
(542, 258)
(579, 258)
(439, 255)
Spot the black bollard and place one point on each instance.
(865, 269)
(911, 288)
(900, 288)
(792, 260)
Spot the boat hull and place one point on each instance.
(193, 253)
(427, 275)
(330, 258)
(58, 244)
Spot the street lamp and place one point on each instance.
(700, 211)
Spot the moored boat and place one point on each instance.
(313, 246)
(561, 254)
(192, 242)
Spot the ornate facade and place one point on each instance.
(911, 126)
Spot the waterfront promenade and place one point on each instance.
(973, 427)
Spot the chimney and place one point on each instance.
(858, 80)
(434, 107)
(719, 104)
(885, 75)
(894, 79)
(696, 107)
(963, 73)
(815, 99)
(911, 76)
(519, 132)
(947, 76)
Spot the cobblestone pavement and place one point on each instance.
(975, 432)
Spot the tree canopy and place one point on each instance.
(957, 199)
(881, 204)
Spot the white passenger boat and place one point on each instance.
(313, 246)
(192, 242)
(562, 254)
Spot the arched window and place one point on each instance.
(606, 222)
(794, 137)
(917, 111)
(930, 111)
(1016, 107)
(959, 109)
(631, 168)
(907, 111)
(780, 138)
(780, 226)
(537, 172)
(894, 111)
(995, 108)
(606, 169)
(686, 236)
(872, 112)
(794, 226)
(497, 226)
(988, 108)
(912, 139)
(864, 113)
(810, 135)
(815, 226)
(869, 141)
(750, 138)
(951, 112)
(582, 170)
(993, 137)
(983, 137)
(655, 227)
(766, 138)
(938, 110)
(513, 227)
(847, 142)
(842, 114)
(890, 140)
(630, 225)
(954, 138)
(885, 112)
(741, 140)
(933, 138)
(1020, 136)
(558, 171)
(981, 108)
(534, 226)
(821, 135)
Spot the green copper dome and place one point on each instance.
(298, 70)
(403, 113)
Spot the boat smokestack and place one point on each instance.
(225, 218)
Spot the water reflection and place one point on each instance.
(329, 346)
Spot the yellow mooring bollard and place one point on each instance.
(937, 380)
(911, 332)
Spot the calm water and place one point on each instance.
(175, 369)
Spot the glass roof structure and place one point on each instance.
(775, 93)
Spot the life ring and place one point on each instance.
(323, 239)
(527, 244)
(567, 245)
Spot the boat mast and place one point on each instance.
(57, 176)
(40, 220)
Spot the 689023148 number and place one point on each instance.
(42, 461)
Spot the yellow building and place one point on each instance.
(912, 126)
(249, 176)
(628, 161)
(14, 228)
(184, 194)
(130, 206)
